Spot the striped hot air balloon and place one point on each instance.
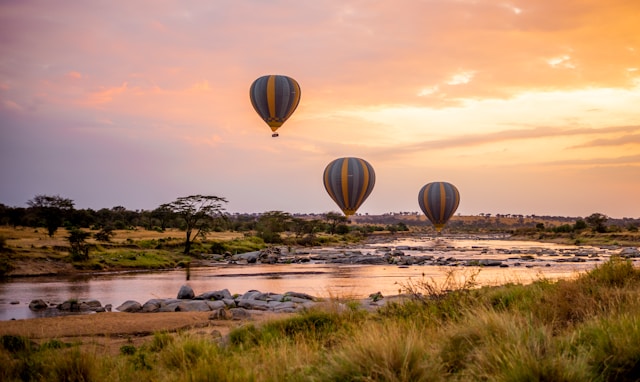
(349, 181)
(275, 98)
(439, 201)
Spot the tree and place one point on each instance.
(51, 209)
(198, 212)
(334, 219)
(79, 246)
(580, 225)
(271, 224)
(163, 214)
(596, 222)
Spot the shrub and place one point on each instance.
(617, 272)
(128, 350)
(79, 247)
(105, 234)
(15, 344)
(613, 345)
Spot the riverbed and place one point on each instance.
(315, 272)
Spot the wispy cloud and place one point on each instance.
(628, 160)
(626, 139)
(470, 140)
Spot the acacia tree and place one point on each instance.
(51, 209)
(198, 212)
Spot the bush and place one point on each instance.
(617, 272)
(128, 350)
(79, 247)
(105, 234)
(15, 344)
(342, 229)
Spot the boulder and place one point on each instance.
(130, 306)
(239, 314)
(215, 295)
(249, 257)
(251, 295)
(38, 304)
(218, 304)
(303, 296)
(151, 306)
(253, 304)
(194, 306)
(185, 293)
(630, 252)
(282, 307)
(221, 314)
(81, 306)
(229, 302)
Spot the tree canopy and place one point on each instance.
(198, 213)
(51, 209)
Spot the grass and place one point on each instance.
(584, 329)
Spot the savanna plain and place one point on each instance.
(581, 329)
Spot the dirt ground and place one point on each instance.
(108, 332)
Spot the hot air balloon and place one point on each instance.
(275, 98)
(439, 201)
(349, 181)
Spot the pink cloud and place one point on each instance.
(105, 95)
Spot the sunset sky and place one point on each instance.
(527, 106)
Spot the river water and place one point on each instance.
(317, 278)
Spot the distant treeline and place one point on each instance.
(41, 208)
(52, 212)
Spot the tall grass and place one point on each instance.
(587, 329)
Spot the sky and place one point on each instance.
(526, 106)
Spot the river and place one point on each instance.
(317, 278)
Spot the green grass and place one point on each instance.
(585, 329)
(131, 258)
(239, 245)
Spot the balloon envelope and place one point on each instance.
(439, 201)
(275, 98)
(349, 181)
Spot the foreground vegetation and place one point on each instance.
(586, 329)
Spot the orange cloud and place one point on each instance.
(105, 95)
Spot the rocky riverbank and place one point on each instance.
(221, 303)
(492, 252)
(434, 253)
